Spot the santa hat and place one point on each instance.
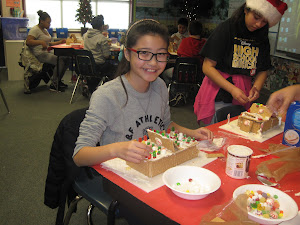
(272, 10)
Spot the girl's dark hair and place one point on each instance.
(239, 14)
(134, 33)
(43, 15)
(97, 22)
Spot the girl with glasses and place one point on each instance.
(123, 109)
(237, 58)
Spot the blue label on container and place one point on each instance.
(296, 119)
(291, 135)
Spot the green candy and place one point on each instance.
(254, 205)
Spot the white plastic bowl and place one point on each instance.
(182, 174)
(287, 204)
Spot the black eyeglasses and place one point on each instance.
(147, 56)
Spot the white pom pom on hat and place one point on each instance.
(272, 10)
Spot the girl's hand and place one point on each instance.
(239, 95)
(203, 134)
(253, 94)
(132, 151)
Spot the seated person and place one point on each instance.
(189, 47)
(38, 40)
(182, 33)
(97, 43)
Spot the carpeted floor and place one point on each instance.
(26, 135)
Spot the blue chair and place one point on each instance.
(62, 32)
(67, 183)
(222, 113)
(89, 186)
(113, 33)
(50, 31)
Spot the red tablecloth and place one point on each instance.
(65, 46)
(190, 212)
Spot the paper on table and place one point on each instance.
(233, 127)
(143, 182)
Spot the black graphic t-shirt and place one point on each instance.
(237, 50)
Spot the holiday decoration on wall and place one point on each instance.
(84, 13)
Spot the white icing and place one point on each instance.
(239, 150)
(195, 187)
(183, 144)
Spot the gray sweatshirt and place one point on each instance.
(95, 41)
(108, 120)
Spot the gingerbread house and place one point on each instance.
(169, 149)
(258, 120)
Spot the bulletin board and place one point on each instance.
(13, 3)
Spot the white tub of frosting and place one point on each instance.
(238, 161)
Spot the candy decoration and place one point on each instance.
(154, 154)
(190, 180)
(273, 215)
(159, 148)
(246, 122)
(263, 204)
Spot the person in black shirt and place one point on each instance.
(236, 53)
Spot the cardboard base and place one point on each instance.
(233, 127)
(143, 182)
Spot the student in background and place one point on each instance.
(182, 33)
(280, 100)
(237, 58)
(189, 47)
(38, 40)
(97, 43)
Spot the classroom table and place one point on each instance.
(161, 206)
(69, 50)
(64, 50)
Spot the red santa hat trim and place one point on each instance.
(272, 10)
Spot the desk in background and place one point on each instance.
(161, 206)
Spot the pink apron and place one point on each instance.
(204, 106)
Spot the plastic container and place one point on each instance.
(14, 28)
(291, 134)
(238, 161)
(62, 32)
(113, 33)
